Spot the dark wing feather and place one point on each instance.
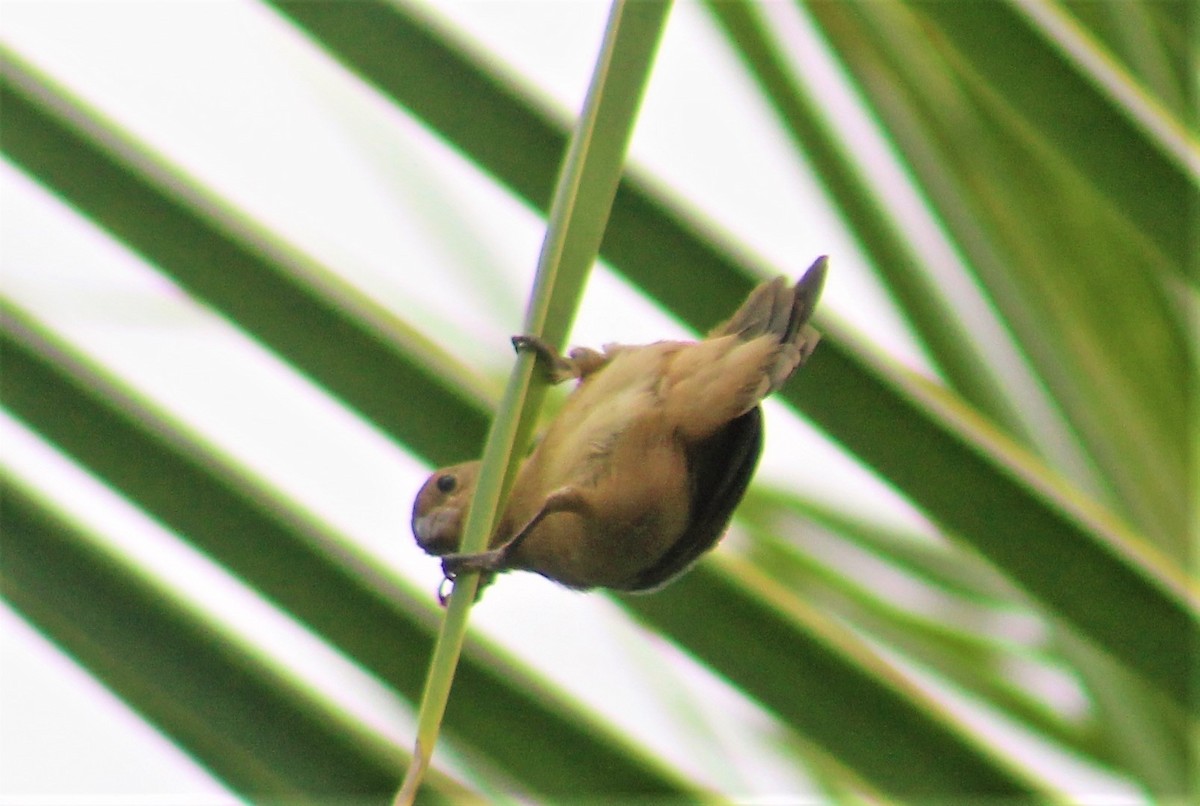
(721, 467)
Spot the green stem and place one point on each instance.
(583, 198)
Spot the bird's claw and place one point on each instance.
(556, 368)
(487, 563)
(534, 344)
(579, 363)
(443, 593)
(455, 564)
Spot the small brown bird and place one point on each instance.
(641, 470)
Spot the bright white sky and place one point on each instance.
(241, 102)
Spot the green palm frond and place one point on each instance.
(1052, 147)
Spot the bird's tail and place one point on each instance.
(776, 308)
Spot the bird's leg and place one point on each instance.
(564, 499)
(579, 363)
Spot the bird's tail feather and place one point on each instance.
(776, 308)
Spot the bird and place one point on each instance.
(640, 471)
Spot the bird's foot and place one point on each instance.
(556, 368)
(486, 563)
(455, 564)
(580, 363)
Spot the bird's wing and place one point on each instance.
(709, 383)
(721, 467)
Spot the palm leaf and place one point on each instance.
(1090, 548)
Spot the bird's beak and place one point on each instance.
(437, 532)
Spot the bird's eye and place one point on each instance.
(447, 483)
